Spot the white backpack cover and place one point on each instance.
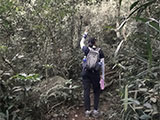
(92, 58)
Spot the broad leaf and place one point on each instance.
(141, 8)
(141, 19)
(134, 4)
(134, 101)
(2, 115)
(147, 105)
(145, 117)
(120, 2)
(155, 26)
(126, 98)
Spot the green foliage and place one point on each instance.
(66, 92)
(25, 77)
(44, 33)
(134, 4)
(151, 22)
(142, 104)
(120, 2)
(35, 30)
(141, 7)
(5, 6)
(149, 49)
(2, 48)
(143, 84)
(15, 96)
(139, 65)
(126, 98)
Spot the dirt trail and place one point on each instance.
(109, 107)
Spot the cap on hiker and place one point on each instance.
(92, 41)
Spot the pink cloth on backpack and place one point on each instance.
(102, 84)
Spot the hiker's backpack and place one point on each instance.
(93, 59)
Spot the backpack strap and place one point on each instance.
(90, 48)
(97, 49)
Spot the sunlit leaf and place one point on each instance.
(17, 89)
(118, 48)
(154, 100)
(147, 105)
(2, 115)
(3, 48)
(28, 88)
(134, 101)
(155, 109)
(74, 87)
(126, 98)
(108, 27)
(145, 117)
(143, 89)
(17, 9)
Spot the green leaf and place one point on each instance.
(10, 107)
(149, 48)
(120, 2)
(134, 101)
(142, 7)
(2, 116)
(155, 26)
(126, 98)
(3, 48)
(139, 12)
(7, 114)
(17, 9)
(152, 24)
(134, 4)
(109, 27)
(118, 48)
(74, 87)
(141, 19)
(17, 89)
(145, 117)
(147, 105)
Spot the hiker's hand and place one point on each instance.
(85, 33)
(86, 30)
(102, 76)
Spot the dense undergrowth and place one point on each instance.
(41, 61)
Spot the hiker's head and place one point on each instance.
(91, 41)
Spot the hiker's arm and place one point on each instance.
(83, 39)
(103, 68)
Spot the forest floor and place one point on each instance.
(110, 106)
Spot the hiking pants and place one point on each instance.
(91, 79)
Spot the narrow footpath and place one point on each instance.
(110, 106)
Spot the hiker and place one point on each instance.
(93, 70)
